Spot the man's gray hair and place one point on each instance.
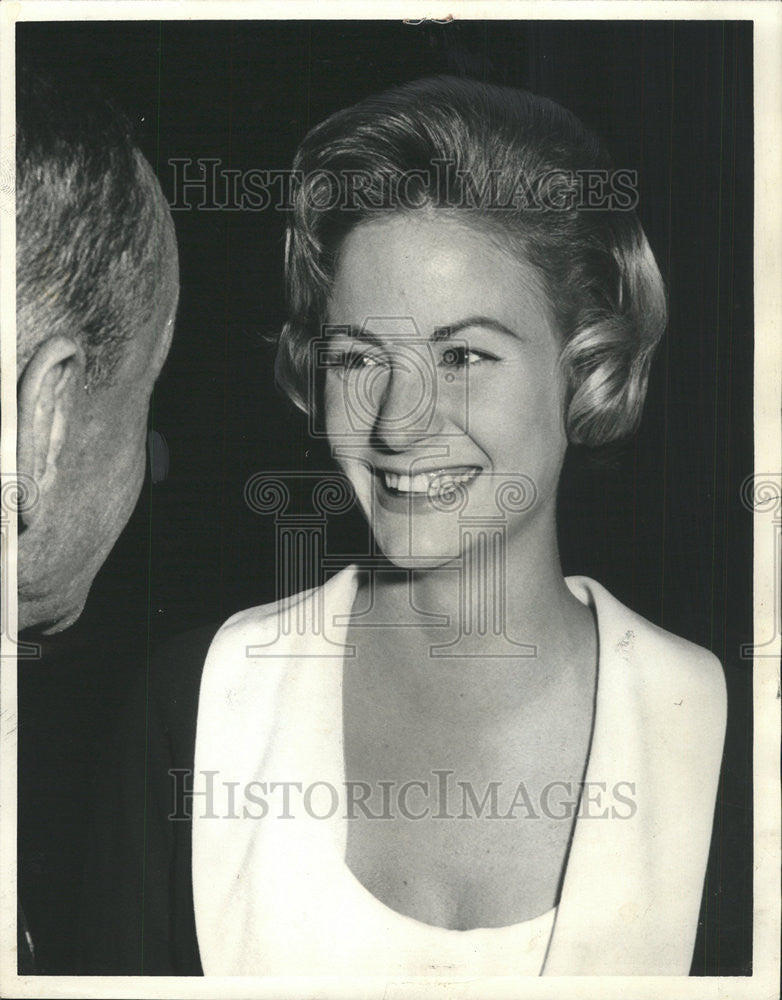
(90, 223)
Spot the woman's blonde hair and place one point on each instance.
(524, 169)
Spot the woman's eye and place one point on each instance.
(463, 357)
(351, 360)
(356, 360)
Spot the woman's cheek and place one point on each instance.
(334, 414)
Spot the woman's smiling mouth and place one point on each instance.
(436, 481)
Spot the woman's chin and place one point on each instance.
(419, 562)
(419, 550)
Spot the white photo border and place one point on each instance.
(767, 20)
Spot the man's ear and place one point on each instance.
(46, 391)
(163, 340)
(163, 344)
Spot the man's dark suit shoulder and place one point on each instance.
(137, 914)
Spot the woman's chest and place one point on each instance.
(463, 818)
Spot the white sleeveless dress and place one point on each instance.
(274, 897)
(313, 916)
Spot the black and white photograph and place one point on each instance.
(391, 524)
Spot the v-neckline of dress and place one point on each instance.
(539, 920)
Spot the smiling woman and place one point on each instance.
(407, 427)
(478, 311)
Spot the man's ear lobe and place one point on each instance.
(46, 391)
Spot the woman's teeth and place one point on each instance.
(438, 481)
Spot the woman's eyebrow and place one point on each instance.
(353, 332)
(438, 334)
(451, 329)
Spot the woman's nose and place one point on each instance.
(408, 408)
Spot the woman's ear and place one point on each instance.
(46, 391)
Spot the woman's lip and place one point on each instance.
(431, 471)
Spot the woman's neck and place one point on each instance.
(497, 616)
(498, 587)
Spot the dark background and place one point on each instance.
(658, 521)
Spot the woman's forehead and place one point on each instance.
(433, 268)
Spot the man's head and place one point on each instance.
(97, 288)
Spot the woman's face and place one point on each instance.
(443, 393)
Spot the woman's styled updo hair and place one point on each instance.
(524, 170)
